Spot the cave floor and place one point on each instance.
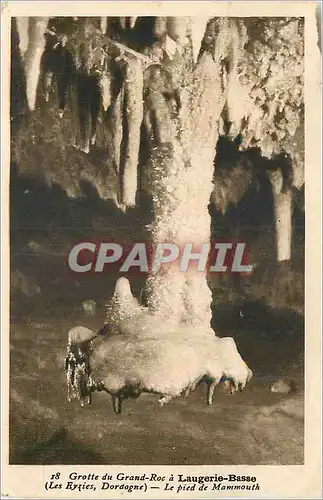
(252, 427)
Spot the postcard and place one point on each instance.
(161, 249)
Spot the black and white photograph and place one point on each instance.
(158, 207)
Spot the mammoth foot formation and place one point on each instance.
(147, 353)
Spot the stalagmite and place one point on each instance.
(122, 305)
(206, 109)
(33, 55)
(181, 166)
(133, 110)
(283, 216)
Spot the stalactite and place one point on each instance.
(264, 104)
(132, 22)
(33, 55)
(232, 179)
(127, 22)
(103, 24)
(105, 89)
(133, 109)
(123, 22)
(283, 216)
(159, 104)
(92, 83)
(197, 29)
(48, 83)
(177, 29)
(266, 87)
(117, 128)
(23, 32)
(160, 26)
